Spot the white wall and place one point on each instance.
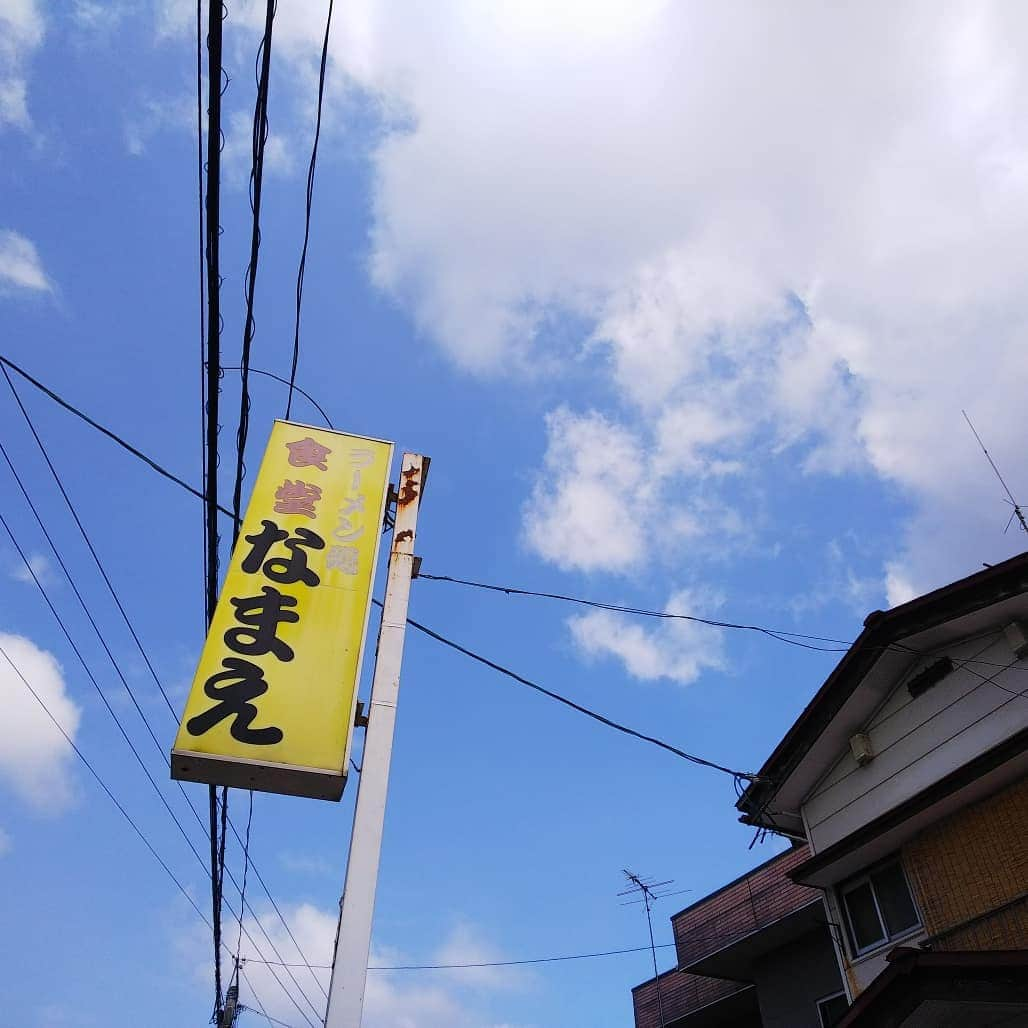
(918, 741)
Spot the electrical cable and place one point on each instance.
(257, 1000)
(139, 759)
(307, 210)
(114, 716)
(285, 382)
(114, 437)
(202, 270)
(103, 785)
(780, 634)
(692, 758)
(142, 651)
(509, 963)
(246, 868)
(85, 536)
(91, 676)
(894, 646)
(215, 17)
(259, 141)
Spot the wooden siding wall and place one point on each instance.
(918, 741)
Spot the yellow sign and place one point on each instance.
(273, 701)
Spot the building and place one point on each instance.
(755, 954)
(904, 785)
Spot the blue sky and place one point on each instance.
(683, 306)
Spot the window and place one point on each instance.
(832, 1009)
(878, 906)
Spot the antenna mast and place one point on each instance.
(649, 894)
(1010, 496)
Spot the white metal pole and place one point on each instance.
(353, 940)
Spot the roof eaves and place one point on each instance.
(881, 629)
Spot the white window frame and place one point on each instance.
(828, 999)
(854, 883)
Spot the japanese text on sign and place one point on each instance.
(277, 678)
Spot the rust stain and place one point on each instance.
(409, 488)
(402, 537)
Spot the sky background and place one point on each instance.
(684, 304)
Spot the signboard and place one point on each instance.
(272, 704)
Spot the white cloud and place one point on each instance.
(305, 863)
(40, 567)
(21, 32)
(589, 509)
(156, 115)
(790, 231)
(422, 999)
(466, 944)
(35, 759)
(20, 266)
(677, 650)
(237, 153)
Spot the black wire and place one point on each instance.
(107, 432)
(893, 646)
(260, 138)
(511, 963)
(215, 140)
(246, 868)
(103, 785)
(142, 651)
(307, 211)
(85, 536)
(95, 683)
(296, 388)
(692, 758)
(157, 744)
(257, 999)
(792, 638)
(202, 270)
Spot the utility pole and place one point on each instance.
(353, 939)
(649, 894)
(231, 1010)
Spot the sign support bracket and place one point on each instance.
(353, 939)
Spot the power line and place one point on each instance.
(307, 210)
(88, 670)
(201, 270)
(145, 657)
(285, 382)
(215, 17)
(692, 758)
(502, 963)
(135, 752)
(792, 638)
(78, 752)
(121, 727)
(113, 436)
(103, 785)
(895, 646)
(85, 536)
(260, 138)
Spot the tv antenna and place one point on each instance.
(1016, 513)
(648, 891)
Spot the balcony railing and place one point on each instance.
(759, 899)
